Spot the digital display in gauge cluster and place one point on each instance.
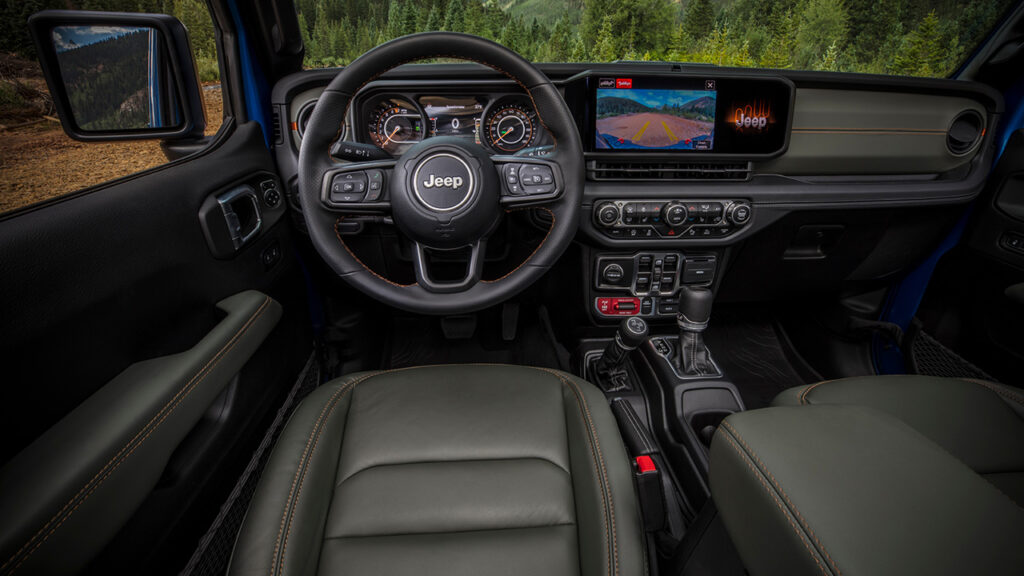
(504, 123)
(458, 116)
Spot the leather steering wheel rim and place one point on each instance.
(325, 126)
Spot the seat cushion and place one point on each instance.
(981, 423)
(846, 490)
(446, 470)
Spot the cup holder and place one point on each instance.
(705, 423)
(702, 407)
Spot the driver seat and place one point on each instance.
(446, 470)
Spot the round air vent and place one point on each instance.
(965, 132)
(302, 118)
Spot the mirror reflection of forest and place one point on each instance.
(106, 72)
(910, 37)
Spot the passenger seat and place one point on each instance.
(980, 423)
(889, 475)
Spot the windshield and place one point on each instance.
(906, 37)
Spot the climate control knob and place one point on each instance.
(607, 214)
(674, 214)
(739, 214)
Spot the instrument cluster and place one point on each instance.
(503, 123)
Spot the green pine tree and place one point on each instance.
(606, 48)
(821, 23)
(434, 21)
(922, 52)
(699, 19)
(455, 16)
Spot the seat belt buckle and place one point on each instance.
(650, 493)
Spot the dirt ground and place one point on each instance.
(39, 161)
(653, 130)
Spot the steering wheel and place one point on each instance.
(444, 193)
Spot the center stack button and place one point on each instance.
(675, 214)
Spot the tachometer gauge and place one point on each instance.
(394, 125)
(509, 128)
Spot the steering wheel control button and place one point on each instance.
(375, 185)
(348, 187)
(443, 182)
(534, 179)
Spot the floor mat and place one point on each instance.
(756, 358)
(931, 358)
(419, 341)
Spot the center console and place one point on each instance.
(646, 283)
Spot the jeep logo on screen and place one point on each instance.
(443, 182)
(433, 181)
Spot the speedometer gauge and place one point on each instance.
(509, 128)
(395, 124)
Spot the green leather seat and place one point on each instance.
(876, 476)
(446, 470)
(980, 423)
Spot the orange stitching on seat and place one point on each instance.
(807, 390)
(356, 258)
(768, 489)
(318, 429)
(1004, 393)
(121, 456)
(535, 250)
(598, 457)
(803, 522)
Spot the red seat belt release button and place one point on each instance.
(645, 464)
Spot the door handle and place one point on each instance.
(241, 209)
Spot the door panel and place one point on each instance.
(970, 305)
(122, 274)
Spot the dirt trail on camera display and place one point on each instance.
(653, 130)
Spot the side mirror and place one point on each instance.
(119, 76)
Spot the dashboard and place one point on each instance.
(738, 149)
(761, 184)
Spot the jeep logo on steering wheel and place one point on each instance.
(443, 182)
(433, 181)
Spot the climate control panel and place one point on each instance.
(671, 219)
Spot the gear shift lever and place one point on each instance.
(610, 371)
(694, 358)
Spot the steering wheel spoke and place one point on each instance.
(528, 181)
(358, 187)
(474, 269)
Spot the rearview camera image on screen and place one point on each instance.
(631, 119)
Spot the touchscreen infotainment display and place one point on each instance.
(686, 114)
(632, 118)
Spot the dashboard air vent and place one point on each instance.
(276, 119)
(608, 170)
(965, 132)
